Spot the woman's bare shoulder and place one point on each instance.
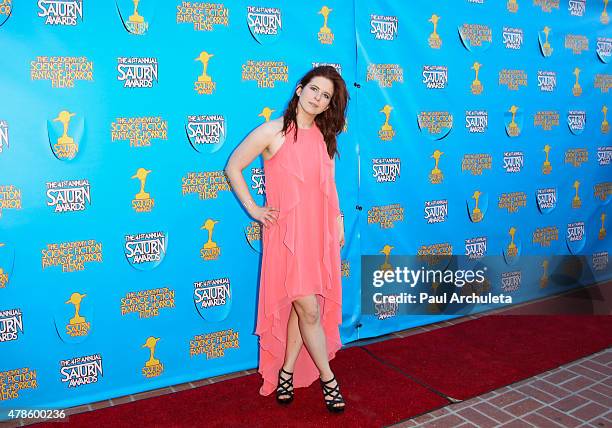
(272, 127)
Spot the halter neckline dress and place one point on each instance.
(301, 252)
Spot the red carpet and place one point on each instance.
(376, 396)
(468, 359)
(460, 361)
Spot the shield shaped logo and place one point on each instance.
(575, 237)
(65, 132)
(136, 15)
(73, 315)
(213, 298)
(145, 251)
(265, 23)
(513, 121)
(477, 206)
(546, 199)
(206, 133)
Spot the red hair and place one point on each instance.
(330, 122)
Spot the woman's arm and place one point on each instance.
(252, 146)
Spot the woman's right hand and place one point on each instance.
(265, 215)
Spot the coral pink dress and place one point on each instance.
(301, 253)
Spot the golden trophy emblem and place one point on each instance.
(325, 34)
(476, 212)
(151, 343)
(135, 18)
(386, 251)
(602, 230)
(544, 277)
(204, 58)
(546, 166)
(210, 250)
(142, 202)
(75, 299)
(3, 278)
(65, 148)
(141, 174)
(204, 84)
(136, 23)
(436, 176)
(513, 129)
(576, 202)
(266, 113)
(512, 250)
(476, 84)
(605, 18)
(577, 89)
(386, 132)
(512, 6)
(605, 126)
(547, 50)
(434, 38)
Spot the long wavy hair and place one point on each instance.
(330, 122)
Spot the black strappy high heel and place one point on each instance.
(334, 392)
(283, 387)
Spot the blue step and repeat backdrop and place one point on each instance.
(126, 263)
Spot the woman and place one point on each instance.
(300, 287)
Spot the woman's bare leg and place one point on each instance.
(294, 345)
(309, 321)
(294, 341)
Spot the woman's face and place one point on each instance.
(314, 98)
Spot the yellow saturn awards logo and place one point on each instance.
(386, 131)
(602, 230)
(476, 213)
(153, 367)
(325, 34)
(266, 112)
(436, 176)
(545, 46)
(546, 166)
(65, 147)
(605, 126)
(78, 325)
(476, 84)
(577, 89)
(136, 23)
(386, 250)
(435, 42)
(512, 6)
(204, 84)
(513, 128)
(512, 249)
(4, 278)
(576, 202)
(210, 250)
(142, 202)
(605, 18)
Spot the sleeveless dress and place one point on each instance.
(301, 253)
